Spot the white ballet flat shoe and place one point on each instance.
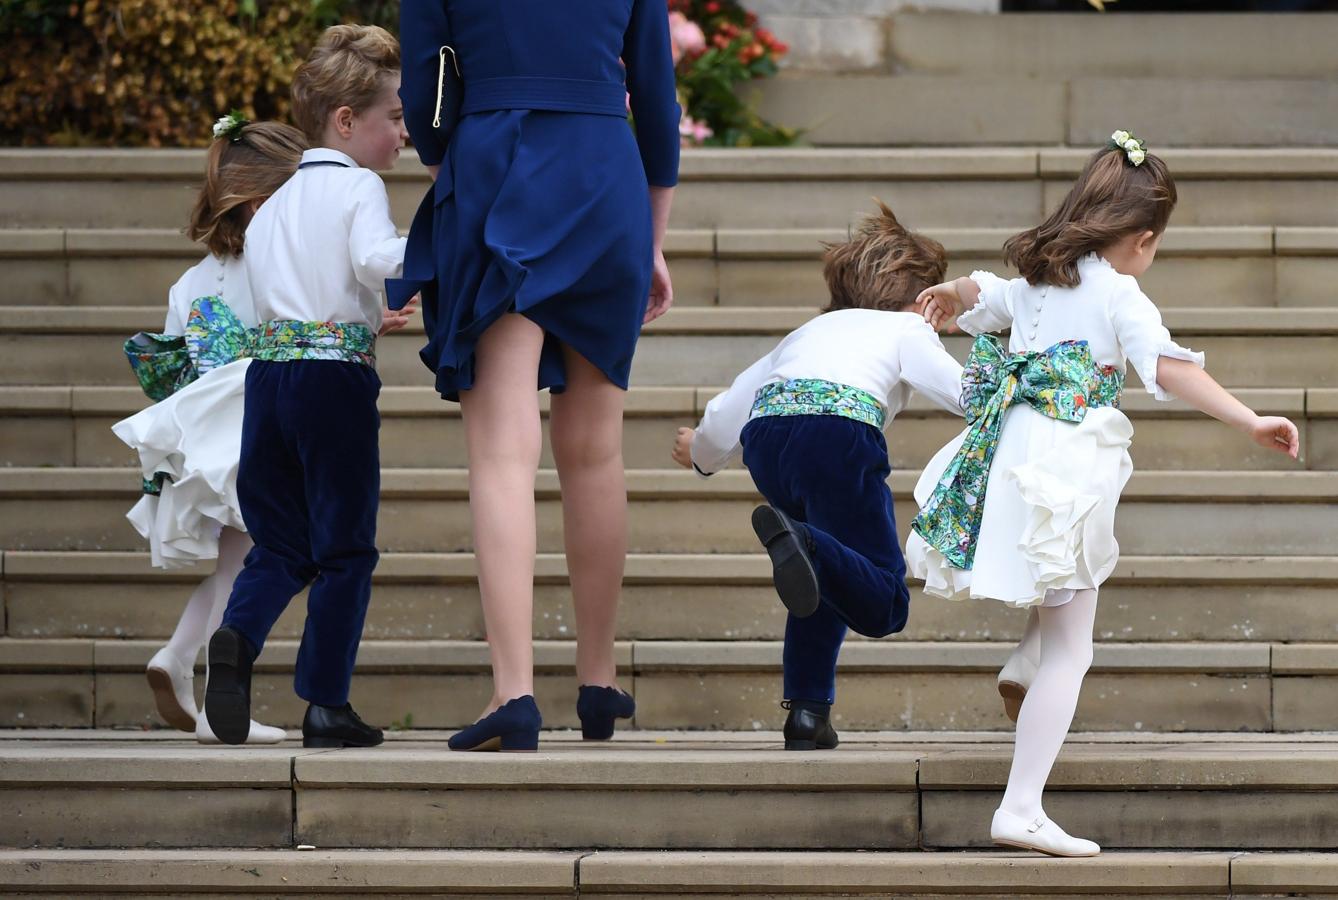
(259, 734)
(173, 686)
(1040, 835)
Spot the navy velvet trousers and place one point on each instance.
(831, 474)
(309, 485)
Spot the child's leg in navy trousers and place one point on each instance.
(308, 487)
(831, 474)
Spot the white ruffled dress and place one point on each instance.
(195, 435)
(1048, 526)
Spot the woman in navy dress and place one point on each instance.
(538, 254)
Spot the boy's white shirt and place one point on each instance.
(884, 353)
(321, 248)
(213, 276)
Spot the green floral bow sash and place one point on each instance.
(1061, 382)
(214, 337)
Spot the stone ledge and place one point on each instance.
(665, 767)
(742, 872)
(641, 402)
(152, 872)
(419, 657)
(666, 568)
(677, 484)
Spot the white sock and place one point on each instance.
(204, 611)
(1047, 712)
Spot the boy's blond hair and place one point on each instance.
(347, 67)
(883, 266)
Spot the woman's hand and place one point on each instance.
(1276, 433)
(683, 447)
(395, 319)
(940, 305)
(661, 289)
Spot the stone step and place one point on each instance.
(885, 685)
(1063, 46)
(685, 792)
(1182, 513)
(991, 108)
(71, 426)
(684, 597)
(688, 347)
(1241, 266)
(660, 873)
(1007, 185)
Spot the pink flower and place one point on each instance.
(694, 133)
(685, 36)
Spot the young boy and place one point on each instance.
(317, 256)
(809, 420)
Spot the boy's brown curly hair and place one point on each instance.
(882, 266)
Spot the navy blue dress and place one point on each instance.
(541, 206)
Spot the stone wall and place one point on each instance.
(846, 35)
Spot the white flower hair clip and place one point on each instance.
(1134, 150)
(230, 126)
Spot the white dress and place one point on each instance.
(194, 436)
(1048, 525)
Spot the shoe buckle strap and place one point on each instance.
(1036, 826)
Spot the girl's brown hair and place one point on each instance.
(347, 67)
(240, 171)
(883, 266)
(1112, 199)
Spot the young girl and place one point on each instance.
(193, 515)
(1020, 508)
(809, 418)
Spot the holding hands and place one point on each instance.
(395, 319)
(943, 303)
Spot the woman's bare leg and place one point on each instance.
(586, 428)
(504, 437)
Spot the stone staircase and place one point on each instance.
(1205, 759)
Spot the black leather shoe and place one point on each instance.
(809, 726)
(337, 727)
(792, 571)
(227, 693)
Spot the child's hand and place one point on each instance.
(940, 305)
(683, 447)
(395, 319)
(1276, 433)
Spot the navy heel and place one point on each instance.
(512, 728)
(598, 708)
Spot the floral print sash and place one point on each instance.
(286, 341)
(164, 363)
(815, 397)
(1061, 382)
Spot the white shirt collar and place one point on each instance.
(329, 154)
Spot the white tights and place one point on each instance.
(1065, 637)
(204, 610)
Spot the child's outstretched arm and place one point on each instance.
(715, 443)
(1197, 388)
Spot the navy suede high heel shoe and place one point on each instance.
(512, 728)
(598, 707)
